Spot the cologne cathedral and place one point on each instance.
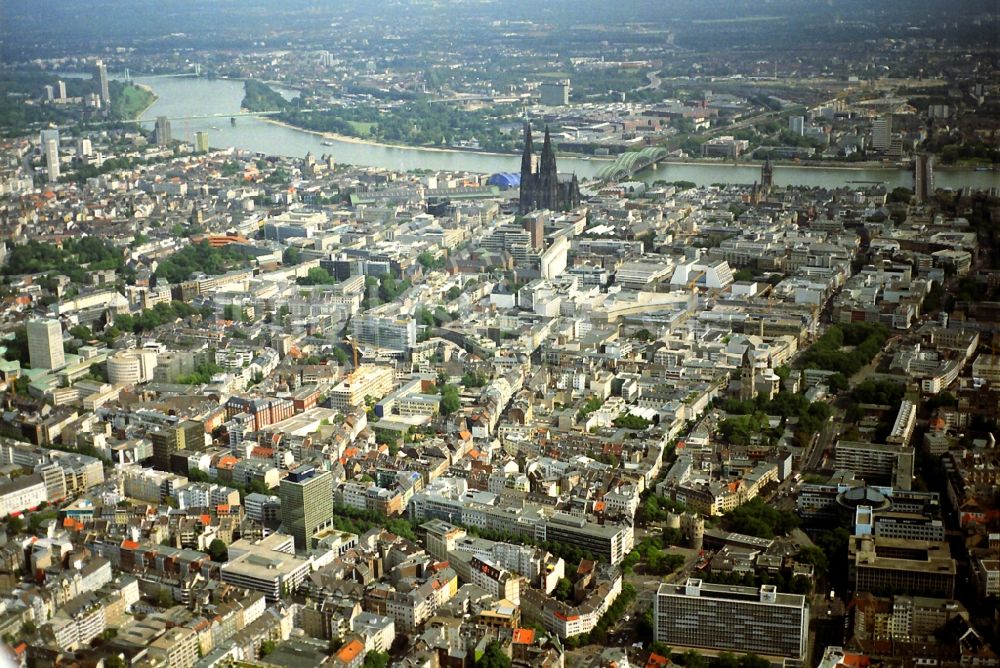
(542, 186)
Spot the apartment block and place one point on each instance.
(701, 616)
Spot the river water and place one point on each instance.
(180, 97)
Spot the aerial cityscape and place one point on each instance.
(500, 334)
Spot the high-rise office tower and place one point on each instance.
(84, 147)
(306, 503)
(201, 142)
(555, 93)
(47, 134)
(724, 618)
(45, 344)
(187, 435)
(162, 131)
(923, 177)
(882, 133)
(534, 224)
(62, 90)
(797, 125)
(52, 159)
(101, 75)
(164, 445)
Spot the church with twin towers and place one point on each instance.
(542, 186)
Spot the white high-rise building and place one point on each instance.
(45, 344)
(47, 134)
(882, 133)
(62, 90)
(797, 124)
(52, 159)
(84, 147)
(101, 74)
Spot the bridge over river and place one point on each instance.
(629, 163)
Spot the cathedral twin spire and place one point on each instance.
(539, 187)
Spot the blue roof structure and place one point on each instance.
(505, 180)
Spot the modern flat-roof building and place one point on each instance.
(724, 618)
(385, 330)
(609, 541)
(555, 93)
(306, 503)
(186, 435)
(440, 537)
(131, 367)
(889, 512)
(266, 567)
(892, 565)
(177, 647)
(45, 344)
(876, 463)
(365, 381)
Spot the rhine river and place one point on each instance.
(180, 97)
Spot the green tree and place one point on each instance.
(901, 195)
(801, 584)
(563, 590)
(375, 659)
(164, 598)
(756, 518)
(474, 379)
(218, 550)
(449, 399)
(753, 661)
(692, 659)
(340, 356)
(493, 657)
(267, 647)
(425, 318)
(812, 555)
(15, 525)
(428, 261)
(17, 347)
(316, 276)
(261, 97)
(727, 660)
(630, 421)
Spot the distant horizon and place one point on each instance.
(63, 30)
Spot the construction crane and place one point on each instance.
(354, 349)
